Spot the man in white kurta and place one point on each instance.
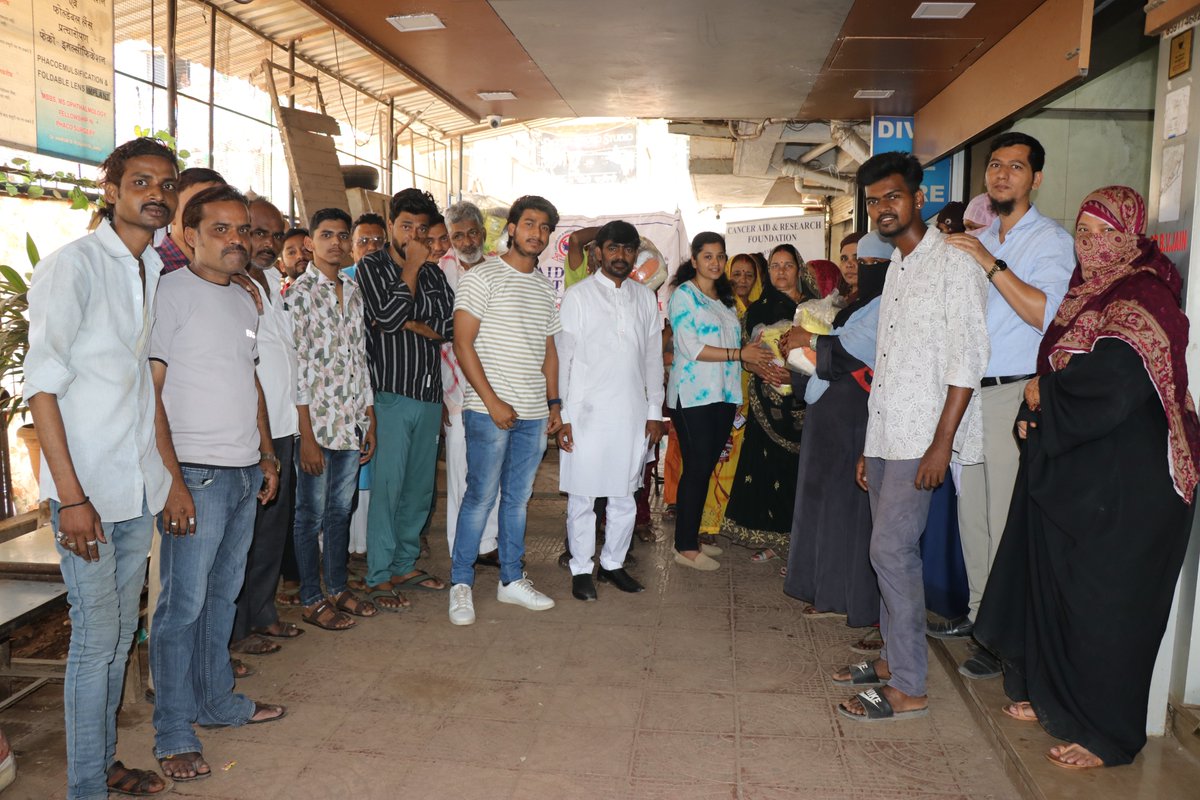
(610, 378)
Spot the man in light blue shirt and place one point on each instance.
(1028, 260)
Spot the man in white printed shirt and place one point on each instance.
(87, 381)
(924, 411)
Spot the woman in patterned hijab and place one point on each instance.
(1079, 594)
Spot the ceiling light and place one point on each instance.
(874, 94)
(942, 10)
(491, 97)
(410, 23)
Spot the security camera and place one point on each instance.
(494, 120)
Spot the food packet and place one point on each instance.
(770, 335)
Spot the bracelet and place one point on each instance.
(82, 502)
(553, 401)
(271, 457)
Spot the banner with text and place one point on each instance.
(56, 77)
(805, 233)
(665, 230)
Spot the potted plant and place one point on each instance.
(14, 342)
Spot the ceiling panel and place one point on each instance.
(678, 58)
(887, 53)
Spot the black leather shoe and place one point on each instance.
(564, 560)
(980, 666)
(959, 628)
(620, 579)
(582, 587)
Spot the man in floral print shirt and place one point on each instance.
(336, 415)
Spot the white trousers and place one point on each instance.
(456, 487)
(358, 522)
(581, 531)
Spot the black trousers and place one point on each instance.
(702, 431)
(272, 529)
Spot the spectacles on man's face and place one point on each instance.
(367, 241)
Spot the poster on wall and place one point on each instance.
(806, 233)
(56, 77)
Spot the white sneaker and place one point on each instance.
(462, 605)
(522, 593)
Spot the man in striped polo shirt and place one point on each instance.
(505, 318)
(407, 305)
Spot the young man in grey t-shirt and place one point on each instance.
(218, 451)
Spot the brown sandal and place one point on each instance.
(350, 603)
(192, 760)
(255, 645)
(325, 616)
(135, 782)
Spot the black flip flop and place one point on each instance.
(879, 709)
(862, 674)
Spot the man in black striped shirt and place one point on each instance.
(409, 310)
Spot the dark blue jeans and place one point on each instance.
(323, 504)
(201, 577)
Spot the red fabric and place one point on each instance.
(826, 274)
(1125, 288)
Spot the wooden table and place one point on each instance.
(22, 602)
(31, 556)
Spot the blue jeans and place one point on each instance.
(504, 463)
(104, 597)
(201, 577)
(323, 504)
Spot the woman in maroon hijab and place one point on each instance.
(1078, 597)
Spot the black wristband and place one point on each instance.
(82, 502)
(553, 401)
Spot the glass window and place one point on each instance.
(193, 34)
(243, 151)
(239, 53)
(191, 131)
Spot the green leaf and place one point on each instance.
(36, 191)
(11, 189)
(20, 162)
(32, 250)
(13, 279)
(79, 200)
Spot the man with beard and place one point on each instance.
(505, 320)
(1028, 260)
(173, 249)
(256, 615)
(215, 440)
(407, 306)
(89, 389)
(294, 256)
(465, 225)
(610, 376)
(923, 413)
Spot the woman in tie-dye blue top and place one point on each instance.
(705, 386)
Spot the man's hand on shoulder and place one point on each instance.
(973, 247)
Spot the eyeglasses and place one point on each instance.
(363, 241)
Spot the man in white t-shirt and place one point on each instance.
(505, 318)
(465, 224)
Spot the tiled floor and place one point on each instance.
(707, 685)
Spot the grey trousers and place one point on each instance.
(899, 511)
(986, 489)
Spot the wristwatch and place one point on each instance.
(274, 459)
(998, 266)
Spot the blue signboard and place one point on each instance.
(891, 134)
(936, 184)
